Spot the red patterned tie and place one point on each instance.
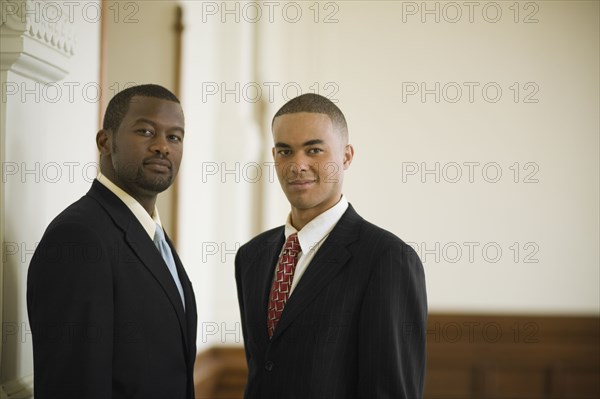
(282, 282)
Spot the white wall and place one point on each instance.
(140, 48)
(366, 60)
(216, 201)
(50, 161)
(377, 51)
(541, 213)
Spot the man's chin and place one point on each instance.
(300, 201)
(156, 185)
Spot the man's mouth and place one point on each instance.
(158, 165)
(301, 183)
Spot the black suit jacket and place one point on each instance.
(354, 327)
(106, 316)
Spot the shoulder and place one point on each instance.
(73, 243)
(379, 235)
(375, 239)
(390, 260)
(264, 239)
(261, 249)
(83, 220)
(85, 212)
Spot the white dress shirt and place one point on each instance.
(313, 235)
(148, 222)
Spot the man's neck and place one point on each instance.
(301, 217)
(148, 202)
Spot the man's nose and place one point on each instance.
(160, 144)
(300, 163)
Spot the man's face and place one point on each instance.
(146, 150)
(310, 157)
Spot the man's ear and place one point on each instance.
(348, 155)
(104, 141)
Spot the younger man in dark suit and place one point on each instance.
(332, 306)
(112, 311)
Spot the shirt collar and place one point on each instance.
(318, 228)
(148, 222)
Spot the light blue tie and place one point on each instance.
(165, 251)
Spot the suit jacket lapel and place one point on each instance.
(327, 263)
(261, 275)
(144, 248)
(146, 251)
(188, 293)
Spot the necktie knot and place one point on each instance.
(159, 234)
(292, 245)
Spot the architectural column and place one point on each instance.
(36, 44)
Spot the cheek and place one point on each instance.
(284, 168)
(123, 147)
(330, 171)
(280, 169)
(177, 155)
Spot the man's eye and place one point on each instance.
(315, 150)
(175, 138)
(283, 153)
(145, 132)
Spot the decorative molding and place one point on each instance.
(19, 389)
(38, 39)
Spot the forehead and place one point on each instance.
(157, 109)
(303, 125)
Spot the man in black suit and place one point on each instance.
(340, 309)
(112, 311)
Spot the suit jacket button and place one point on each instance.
(269, 365)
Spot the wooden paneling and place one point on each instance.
(220, 373)
(471, 357)
(506, 357)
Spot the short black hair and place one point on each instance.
(317, 104)
(119, 105)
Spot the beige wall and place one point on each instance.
(217, 205)
(140, 48)
(544, 206)
(524, 241)
(372, 57)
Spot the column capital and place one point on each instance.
(37, 38)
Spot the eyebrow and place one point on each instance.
(305, 144)
(150, 122)
(144, 120)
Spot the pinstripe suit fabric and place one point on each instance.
(106, 316)
(354, 326)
